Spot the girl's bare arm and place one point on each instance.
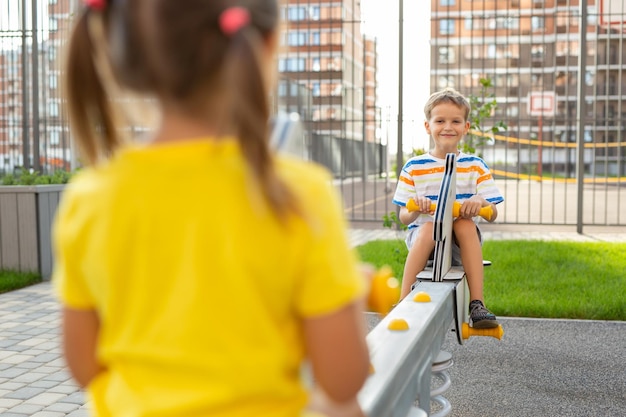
(80, 334)
(338, 352)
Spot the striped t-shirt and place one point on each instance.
(422, 175)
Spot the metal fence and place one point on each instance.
(33, 130)
(557, 74)
(556, 68)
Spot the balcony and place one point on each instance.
(610, 90)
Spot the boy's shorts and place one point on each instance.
(456, 251)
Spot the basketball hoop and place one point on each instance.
(612, 12)
(541, 103)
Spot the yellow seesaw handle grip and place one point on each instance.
(485, 212)
(384, 291)
(468, 331)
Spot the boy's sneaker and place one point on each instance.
(481, 317)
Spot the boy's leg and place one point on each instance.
(417, 258)
(472, 257)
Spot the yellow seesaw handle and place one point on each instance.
(485, 212)
(384, 291)
(468, 331)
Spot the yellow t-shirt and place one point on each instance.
(200, 290)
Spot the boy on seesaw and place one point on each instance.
(447, 114)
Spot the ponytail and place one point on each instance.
(250, 110)
(92, 116)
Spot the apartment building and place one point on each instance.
(328, 75)
(322, 48)
(33, 131)
(530, 50)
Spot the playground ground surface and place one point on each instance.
(557, 368)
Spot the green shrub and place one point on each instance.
(25, 177)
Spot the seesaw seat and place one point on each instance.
(455, 273)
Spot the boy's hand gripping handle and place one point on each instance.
(485, 212)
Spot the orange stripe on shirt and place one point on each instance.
(483, 178)
(472, 168)
(417, 172)
(408, 181)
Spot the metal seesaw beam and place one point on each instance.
(402, 359)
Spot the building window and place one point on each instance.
(333, 63)
(296, 38)
(446, 55)
(316, 65)
(282, 89)
(336, 90)
(507, 22)
(54, 109)
(294, 89)
(512, 110)
(54, 137)
(446, 27)
(53, 82)
(592, 16)
(291, 64)
(52, 53)
(535, 80)
(315, 38)
(314, 12)
(317, 91)
(448, 2)
(295, 13)
(537, 23)
(13, 134)
(536, 52)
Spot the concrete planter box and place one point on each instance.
(26, 214)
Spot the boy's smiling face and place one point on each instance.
(447, 126)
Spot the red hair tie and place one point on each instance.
(96, 4)
(232, 20)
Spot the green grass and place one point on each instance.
(13, 280)
(544, 279)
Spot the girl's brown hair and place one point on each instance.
(177, 52)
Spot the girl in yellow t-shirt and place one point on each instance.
(197, 270)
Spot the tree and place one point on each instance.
(483, 107)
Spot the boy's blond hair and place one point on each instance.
(447, 95)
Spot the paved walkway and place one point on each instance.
(33, 379)
(505, 232)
